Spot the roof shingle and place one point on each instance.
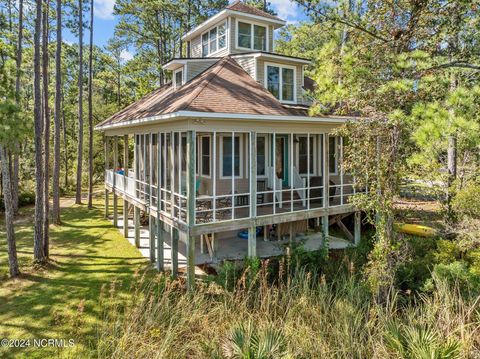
(242, 7)
(225, 87)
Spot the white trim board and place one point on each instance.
(222, 116)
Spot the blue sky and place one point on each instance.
(104, 22)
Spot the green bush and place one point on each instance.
(24, 199)
(467, 201)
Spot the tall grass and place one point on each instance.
(297, 315)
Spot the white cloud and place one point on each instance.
(125, 55)
(104, 9)
(286, 10)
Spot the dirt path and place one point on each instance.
(27, 214)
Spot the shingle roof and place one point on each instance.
(242, 7)
(225, 87)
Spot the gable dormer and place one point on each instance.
(238, 28)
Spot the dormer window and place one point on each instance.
(178, 78)
(214, 39)
(280, 81)
(251, 36)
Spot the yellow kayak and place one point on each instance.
(415, 229)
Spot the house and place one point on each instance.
(226, 156)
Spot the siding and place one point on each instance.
(196, 47)
(248, 64)
(299, 75)
(194, 67)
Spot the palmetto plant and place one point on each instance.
(419, 342)
(248, 342)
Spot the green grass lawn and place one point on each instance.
(60, 301)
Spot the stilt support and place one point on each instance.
(151, 234)
(357, 227)
(106, 203)
(125, 218)
(174, 248)
(252, 242)
(160, 238)
(136, 220)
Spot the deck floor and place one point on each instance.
(230, 247)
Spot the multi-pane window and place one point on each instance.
(228, 157)
(261, 155)
(215, 39)
(332, 155)
(244, 35)
(251, 36)
(306, 152)
(259, 38)
(281, 82)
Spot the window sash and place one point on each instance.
(303, 156)
(281, 82)
(227, 157)
(259, 37)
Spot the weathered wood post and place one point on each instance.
(174, 250)
(252, 230)
(125, 186)
(115, 195)
(107, 164)
(136, 221)
(190, 209)
(357, 227)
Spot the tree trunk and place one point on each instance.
(46, 132)
(90, 112)
(58, 109)
(65, 141)
(78, 195)
(7, 197)
(38, 254)
(17, 94)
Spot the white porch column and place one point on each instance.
(326, 183)
(252, 230)
(107, 164)
(125, 175)
(115, 196)
(190, 166)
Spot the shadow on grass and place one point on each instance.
(61, 300)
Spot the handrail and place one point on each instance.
(299, 183)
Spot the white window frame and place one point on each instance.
(280, 66)
(175, 85)
(313, 145)
(336, 155)
(267, 154)
(218, 48)
(241, 159)
(200, 156)
(251, 23)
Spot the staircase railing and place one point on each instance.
(278, 184)
(300, 184)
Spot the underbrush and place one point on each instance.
(271, 313)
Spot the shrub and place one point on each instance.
(467, 201)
